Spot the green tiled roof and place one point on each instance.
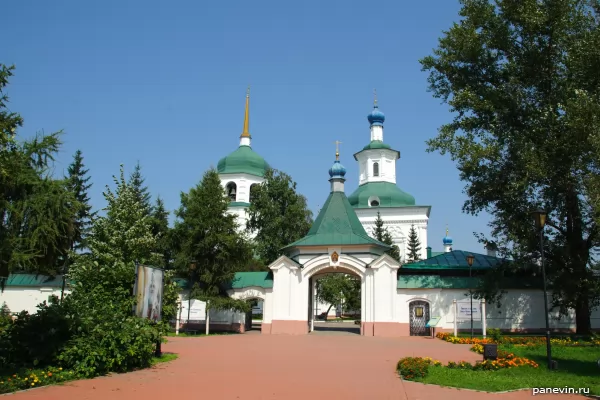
(389, 195)
(243, 160)
(456, 259)
(263, 279)
(457, 282)
(34, 280)
(337, 224)
(436, 253)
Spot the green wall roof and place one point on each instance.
(389, 195)
(33, 280)
(456, 259)
(337, 224)
(243, 160)
(456, 282)
(262, 279)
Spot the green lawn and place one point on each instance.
(165, 357)
(577, 367)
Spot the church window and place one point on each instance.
(231, 189)
(373, 201)
(375, 169)
(253, 189)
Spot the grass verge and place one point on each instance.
(165, 357)
(577, 368)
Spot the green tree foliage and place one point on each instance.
(170, 297)
(78, 184)
(36, 211)
(210, 249)
(336, 288)
(124, 234)
(107, 336)
(162, 233)
(414, 245)
(381, 233)
(141, 191)
(521, 79)
(277, 214)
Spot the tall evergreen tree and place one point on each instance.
(36, 211)
(136, 180)
(521, 80)
(414, 245)
(381, 233)
(209, 248)
(124, 234)
(277, 214)
(162, 232)
(78, 183)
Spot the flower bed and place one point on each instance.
(516, 340)
(414, 368)
(34, 378)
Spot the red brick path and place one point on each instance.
(268, 367)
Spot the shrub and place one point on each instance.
(108, 337)
(35, 339)
(413, 367)
(495, 334)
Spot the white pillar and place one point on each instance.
(455, 306)
(483, 317)
(178, 317)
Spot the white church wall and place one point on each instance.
(243, 183)
(398, 220)
(23, 298)
(520, 309)
(197, 313)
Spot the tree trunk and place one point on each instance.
(582, 315)
(327, 313)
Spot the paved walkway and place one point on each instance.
(276, 367)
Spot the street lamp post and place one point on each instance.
(470, 260)
(540, 221)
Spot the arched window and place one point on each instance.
(373, 201)
(375, 169)
(231, 189)
(253, 189)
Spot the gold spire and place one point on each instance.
(337, 150)
(375, 96)
(446, 230)
(246, 133)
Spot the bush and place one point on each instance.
(495, 334)
(35, 339)
(108, 337)
(5, 317)
(413, 367)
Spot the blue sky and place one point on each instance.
(164, 83)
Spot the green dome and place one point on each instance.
(243, 161)
(376, 144)
(389, 195)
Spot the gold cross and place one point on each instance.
(375, 95)
(337, 149)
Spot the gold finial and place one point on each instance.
(446, 230)
(375, 96)
(337, 150)
(245, 132)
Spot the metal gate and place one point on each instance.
(419, 315)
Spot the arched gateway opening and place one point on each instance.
(335, 298)
(254, 316)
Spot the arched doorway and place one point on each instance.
(254, 316)
(419, 315)
(335, 298)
